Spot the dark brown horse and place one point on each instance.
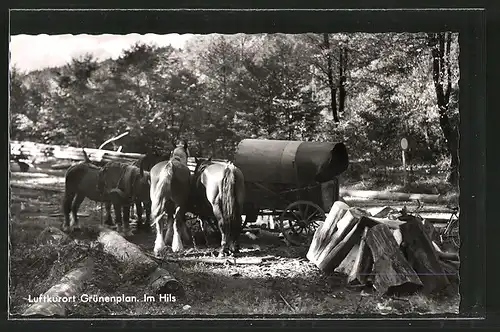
(142, 203)
(170, 186)
(218, 190)
(115, 183)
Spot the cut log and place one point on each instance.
(56, 300)
(393, 196)
(160, 280)
(355, 272)
(392, 224)
(53, 189)
(332, 251)
(61, 165)
(381, 212)
(422, 256)
(347, 264)
(393, 274)
(326, 230)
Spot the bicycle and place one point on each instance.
(451, 231)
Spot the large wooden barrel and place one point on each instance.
(284, 162)
(279, 172)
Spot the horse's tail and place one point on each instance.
(160, 193)
(141, 165)
(230, 207)
(71, 182)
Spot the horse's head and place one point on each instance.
(141, 185)
(201, 163)
(335, 162)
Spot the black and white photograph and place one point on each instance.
(198, 175)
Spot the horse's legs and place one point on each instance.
(147, 207)
(180, 230)
(236, 228)
(126, 220)
(177, 240)
(67, 202)
(203, 230)
(157, 211)
(138, 209)
(223, 230)
(109, 219)
(74, 211)
(118, 216)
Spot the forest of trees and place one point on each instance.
(368, 90)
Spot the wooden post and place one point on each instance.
(404, 147)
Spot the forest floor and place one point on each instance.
(286, 285)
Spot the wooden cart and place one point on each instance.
(280, 180)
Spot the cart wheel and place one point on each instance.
(300, 220)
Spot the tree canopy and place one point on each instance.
(368, 90)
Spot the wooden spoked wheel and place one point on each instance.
(300, 220)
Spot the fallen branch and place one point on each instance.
(286, 302)
(393, 196)
(113, 139)
(215, 260)
(84, 215)
(160, 280)
(67, 288)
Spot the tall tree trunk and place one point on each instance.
(342, 78)
(331, 83)
(440, 44)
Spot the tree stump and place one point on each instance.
(55, 301)
(422, 256)
(160, 280)
(393, 274)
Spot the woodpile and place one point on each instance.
(395, 256)
(63, 156)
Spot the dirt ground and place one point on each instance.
(285, 284)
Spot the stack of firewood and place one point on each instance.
(394, 255)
